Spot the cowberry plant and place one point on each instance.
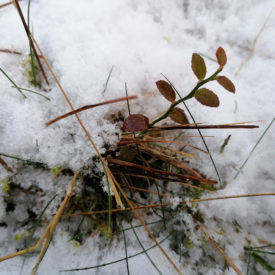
(201, 94)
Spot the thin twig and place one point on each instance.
(89, 107)
(171, 204)
(9, 51)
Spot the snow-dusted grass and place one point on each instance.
(140, 39)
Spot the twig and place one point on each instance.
(89, 107)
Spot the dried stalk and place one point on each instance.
(50, 228)
(30, 39)
(215, 245)
(89, 107)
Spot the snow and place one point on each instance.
(83, 40)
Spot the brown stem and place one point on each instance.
(9, 51)
(30, 39)
(89, 107)
(152, 170)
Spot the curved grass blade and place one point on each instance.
(18, 89)
(253, 149)
(120, 260)
(31, 91)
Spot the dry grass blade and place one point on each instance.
(119, 210)
(50, 228)
(254, 42)
(215, 245)
(24, 251)
(160, 140)
(132, 206)
(30, 39)
(147, 191)
(7, 4)
(148, 176)
(9, 51)
(5, 165)
(79, 121)
(235, 197)
(177, 163)
(170, 204)
(54, 222)
(219, 126)
(152, 170)
(89, 107)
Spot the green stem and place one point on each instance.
(190, 95)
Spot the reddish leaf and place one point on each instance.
(136, 122)
(226, 83)
(221, 56)
(166, 90)
(207, 97)
(198, 66)
(178, 115)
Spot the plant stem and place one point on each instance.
(190, 95)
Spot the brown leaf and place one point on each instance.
(136, 122)
(207, 97)
(226, 83)
(198, 66)
(221, 56)
(166, 90)
(178, 115)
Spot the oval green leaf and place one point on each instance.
(178, 115)
(135, 123)
(166, 90)
(207, 97)
(198, 66)
(226, 83)
(221, 56)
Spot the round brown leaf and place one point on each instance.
(135, 123)
(198, 66)
(221, 56)
(207, 97)
(226, 83)
(178, 115)
(166, 90)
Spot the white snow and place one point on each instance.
(141, 39)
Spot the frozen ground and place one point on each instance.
(140, 39)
